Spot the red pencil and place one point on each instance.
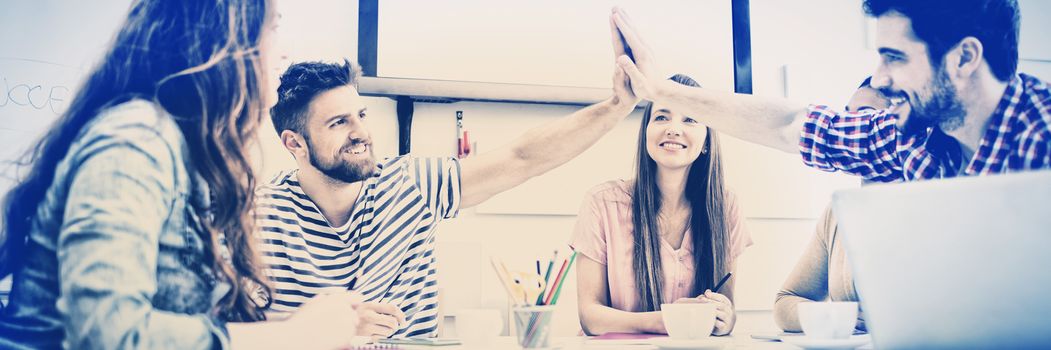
(554, 285)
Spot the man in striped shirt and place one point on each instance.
(343, 220)
(953, 62)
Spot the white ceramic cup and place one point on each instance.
(478, 327)
(828, 320)
(689, 321)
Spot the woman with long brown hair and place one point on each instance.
(668, 235)
(133, 226)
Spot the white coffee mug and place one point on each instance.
(478, 327)
(828, 320)
(689, 320)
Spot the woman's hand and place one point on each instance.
(725, 317)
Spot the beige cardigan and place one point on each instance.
(822, 273)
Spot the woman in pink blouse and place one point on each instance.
(666, 236)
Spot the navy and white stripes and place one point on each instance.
(385, 251)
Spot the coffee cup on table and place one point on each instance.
(828, 320)
(689, 320)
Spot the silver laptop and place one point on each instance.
(960, 263)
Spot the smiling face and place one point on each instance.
(338, 140)
(906, 72)
(674, 140)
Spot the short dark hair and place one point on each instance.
(943, 23)
(303, 81)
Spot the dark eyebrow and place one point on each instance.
(332, 118)
(890, 51)
(860, 109)
(663, 110)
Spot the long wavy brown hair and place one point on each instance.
(705, 194)
(200, 61)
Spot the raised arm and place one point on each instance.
(546, 147)
(770, 122)
(538, 151)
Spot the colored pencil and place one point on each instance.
(551, 293)
(552, 298)
(560, 283)
(547, 277)
(504, 280)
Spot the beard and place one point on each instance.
(942, 109)
(343, 170)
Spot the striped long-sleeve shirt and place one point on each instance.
(385, 251)
(1018, 137)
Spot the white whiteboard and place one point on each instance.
(43, 59)
(548, 42)
(46, 48)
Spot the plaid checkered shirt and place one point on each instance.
(870, 144)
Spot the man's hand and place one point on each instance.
(622, 94)
(324, 321)
(378, 319)
(628, 45)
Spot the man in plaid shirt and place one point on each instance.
(952, 62)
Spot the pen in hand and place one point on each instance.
(722, 282)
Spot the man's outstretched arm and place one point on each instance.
(770, 122)
(544, 148)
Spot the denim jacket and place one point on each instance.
(114, 258)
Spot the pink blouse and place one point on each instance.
(604, 233)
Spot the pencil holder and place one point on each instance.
(533, 324)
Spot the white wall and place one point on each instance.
(1034, 50)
